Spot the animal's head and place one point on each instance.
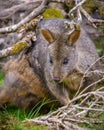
(61, 56)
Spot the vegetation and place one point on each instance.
(100, 45)
(1, 77)
(52, 13)
(90, 6)
(11, 117)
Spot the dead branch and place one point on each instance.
(86, 72)
(67, 116)
(31, 26)
(32, 15)
(77, 6)
(26, 35)
(18, 47)
(41, 8)
(92, 20)
(80, 10)
(6, 13)
(94, 83)
(26, 27)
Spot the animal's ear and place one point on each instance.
(48, 35)
(74, 36)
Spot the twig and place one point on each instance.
(92, 20)
(78, 120)
(85, 94)
(67, 116)
(77, 6)
(89, 109)
(94, 83)
(31, 26)
(81, 83)
(6, 13)
(32, 15)
(80, 9)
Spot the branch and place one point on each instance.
(18, 47)
(32, 15)
(26, 34)
(89, 86)
(31, 26)
(14, 49)
(86, 72)
(6, 13)
(92, 20)
(79, 9)
(68, 116)
(77, 6)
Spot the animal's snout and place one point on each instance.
(57, 74)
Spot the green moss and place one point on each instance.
(1, 81)
(52, 13)
(18, 47)
(1, 77)
(37, 127)
(90, 6)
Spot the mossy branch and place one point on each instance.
(14, 49)
(19, 46)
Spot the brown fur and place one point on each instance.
(60, 49)
(68, 56)
(22, 86)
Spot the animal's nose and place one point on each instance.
(56, 79)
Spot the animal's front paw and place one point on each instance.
(66, 101)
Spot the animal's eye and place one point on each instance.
(51, 61)
(66, 60)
